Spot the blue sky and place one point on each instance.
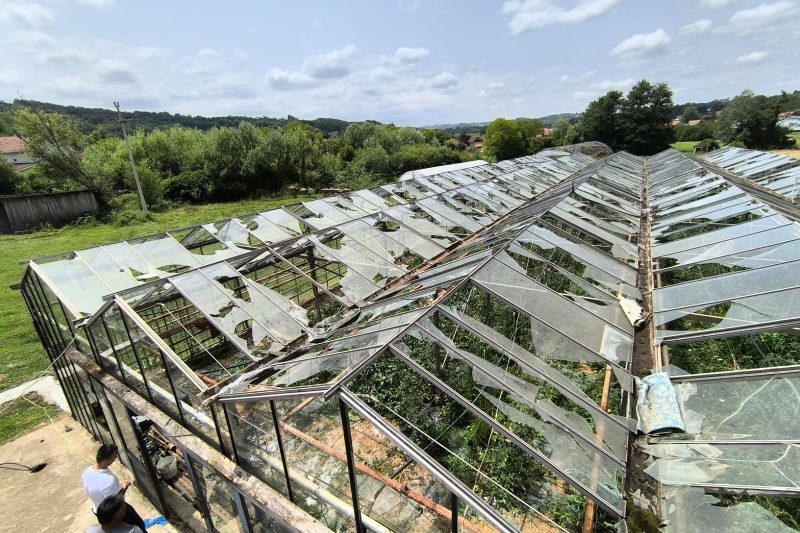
(412, 62)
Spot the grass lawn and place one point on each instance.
(22, 416)
(685, 146)
(21, 355)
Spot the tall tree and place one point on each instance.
(505, 139)
(602, 121)
(646, 116)
(57, 142)
(753, 121)
(8, 178)
(690, 113)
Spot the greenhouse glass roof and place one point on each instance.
(512, 292)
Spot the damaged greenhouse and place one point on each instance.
(519, 346)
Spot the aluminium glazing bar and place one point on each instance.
(351, 466)
(521, 444)
(408, 447)
(159, 342)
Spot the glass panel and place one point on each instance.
(742, 287)
(228, 315)
(261, 521)
(393, 489)
(265, 230)
(256, 442)
(741, 407)
(773, 466)
(165, 254)
(454, 437)
(314, 443)
(81, 287)
(234, 234)
(584, 261)
(218, 494)
(693, 511)
(745, 229)
(559, 315)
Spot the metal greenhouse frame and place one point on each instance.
(354, 362)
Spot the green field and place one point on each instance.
(21, 355)
(685, 146)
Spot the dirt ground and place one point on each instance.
(53, 499)
(790, 153)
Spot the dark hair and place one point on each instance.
(108, 508)
(106, 452)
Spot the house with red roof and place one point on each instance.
(14, 150)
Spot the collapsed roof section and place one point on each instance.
(778, 173)
(727, 282)
(499, 297)
(520, 306)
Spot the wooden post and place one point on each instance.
(591, 507)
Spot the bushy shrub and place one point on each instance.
(189, 186)
(128, 201)
(129, 218)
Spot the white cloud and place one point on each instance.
(206, 63)
(701, 26)
(444, 80)
(529, 15)
(31, 16)
(602, 87)
(609, 85)
(763, 13)
(753, 57)
(565, 78)
(96, 3)
(32, 39)
(74, 85)
(66, 57)
(410, 55)
(641, 44)
(335, 64)
(115, 71)
(146, 52)
(714, 3)
(285, 80)
(409, 5)
(381, 74)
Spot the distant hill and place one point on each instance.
(90, 119)
(572, 118)
(461, 127)
(480, 127)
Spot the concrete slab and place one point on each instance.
(53, 500)
(46, 386)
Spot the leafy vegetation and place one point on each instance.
(753, 121)
(181, 164)
(91, 120)
(506, 139)
(638, 123)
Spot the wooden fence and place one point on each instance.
(26, 212)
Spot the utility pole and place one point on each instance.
(130, 158)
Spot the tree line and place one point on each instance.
(641, 121)
(242, 157)
(99, 121)
(182, 164)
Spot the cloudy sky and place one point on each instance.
(412, 62)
